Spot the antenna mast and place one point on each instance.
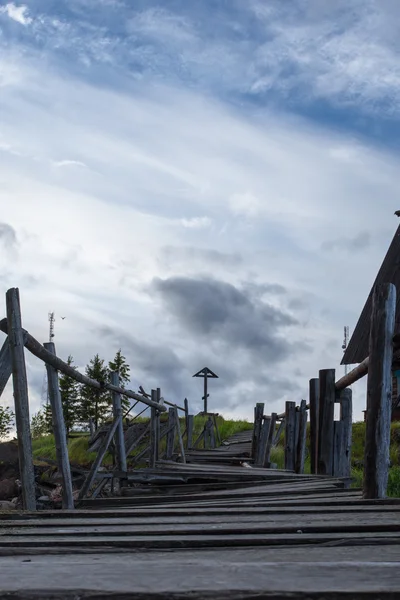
(45, 387)
(344, 346)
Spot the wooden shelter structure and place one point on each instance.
(358, 347)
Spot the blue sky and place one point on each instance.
(200, 183)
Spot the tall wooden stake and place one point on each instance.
(118, 414)
(327, 394)
(302, 438)
(60, 435)
(21, 400)
(314, 423)
(5, 365)
(379, 392)
(290, 436)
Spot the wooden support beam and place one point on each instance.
(263, 441)
(258, 418)
(119, 435)
(379, 392)
(352, 376)
(302, 437)
(314, 423)
(327, 394)
(21, 400)
(178, 431)
(346, 418)
(5, 365)
(267, 458)
(170, 435)
(290, 436)
(189, 432)
(60, 434)
(279, 432)
(39, 351)
(217, 434)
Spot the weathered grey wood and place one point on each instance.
(91, 427)
(346, 418)
(290, 436)
(360, 371)
(302, 438)
(21, 400)
(217, 434)
(98, 460)
(186, 404)
(262, 443)
(267, 457)
(60, 434)
(211, 429)
(327, 394)
(138, 440)
(379, 392)
(5, 365)
(258, 417)
(178, 431)
(170, 435)
(189, 432)
(279, 432)
(337, 447)
(314, 423)
(119, 435)
(153, 437)
(37, 350)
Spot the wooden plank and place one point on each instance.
(178, 431)
(258, 417)
(346, 417)
(302, 439)
(379, 392)
(327, 394)
(5, 365)
(118, 414)
(262, 442)
(60, 434)
(278, 433)
(290, 436)
(314, 423)
(21, 399)
(267, 458)
(37, 350)
(170, 435)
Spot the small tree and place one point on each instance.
(6, 421)
(70, 398)
(120, 365)
(95, 403)
(39, 424)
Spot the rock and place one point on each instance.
(8, 489)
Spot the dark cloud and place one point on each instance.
(221, 312)
(357, 243)
(8, 236)
(190, 254)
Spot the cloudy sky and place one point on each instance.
(199, 183)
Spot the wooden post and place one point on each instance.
(154, 432)
(21, 400)
(217, 434)
(263, 441)
(211, 433)
(327, 394)
(178, 431)
(278, 434)
(314, 423)
(267, 458)
(290, 436)
(5, 365)
(189, 432)
(346, 418)
(120, 437)
(91, 427)
(186, 405)
(379, 392)
(170, 434)
(60, 435)
(258, 417)
(302, 437)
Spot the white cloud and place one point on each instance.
(17, 13)
(69, 163)
(196, 222)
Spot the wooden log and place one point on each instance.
(138, 440)
(5, 365)
(90, 479)
(211, 430)
(186, 404)
(189, 432)
(314, 423)
(279, 432)
(217, 434)
(258, 417)
(327, 394)
(37, 350)
(290, 436)
(91, 427)
(379, 392)
(346, 418)
(21, 400)
(267, 458)
(153, 437)
(302, 438)
(170, 435)
(118, 414)
(358, 373)
(337, 447)
(263, 441)
(60, 434)
(178, 431)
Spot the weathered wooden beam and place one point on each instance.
(60, 434)
(258, 417)
(137, 441)
(217, 434)
(279, 432)
(5, 365)
(267, 457)
(346, 417)
(189, 432)
(170, 435)
(21, 399)
(263, 441)
(178, 431)
(39, 351)
(302, 437)
(327, 394)
(352, 376)
(290, 436)
(379, 392)
(118, 414)
(314, 423)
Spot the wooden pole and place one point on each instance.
(120, 437)
(258, 417)
(352, 376)
(327, 393)
(170, 434)
(5, 365)
(267, 458)
(178, 431)
(21, 400)
(60, 434)
(302, 438)
(186, 404)
(290, 436)
(189, 432)
(346, 417)
(379, 392)
(263, 441)
(314, 423)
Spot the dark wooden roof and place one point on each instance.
(357, 350)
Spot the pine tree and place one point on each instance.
(120, 365)
(70, 398)
(95, 403)
(39, 424)
(6, 421)
(48, 417)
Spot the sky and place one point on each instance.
(199, 184)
